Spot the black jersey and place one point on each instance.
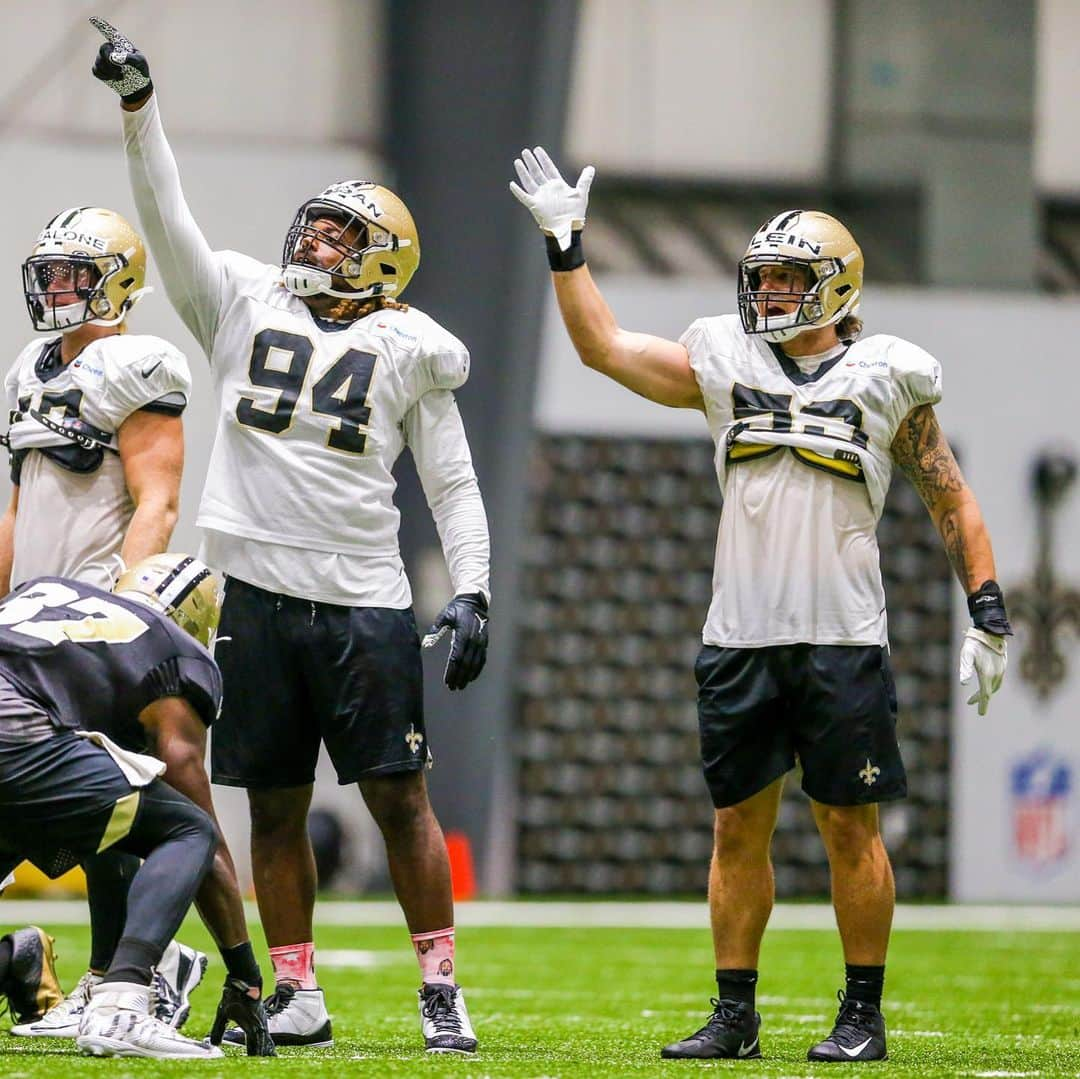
(94, 660)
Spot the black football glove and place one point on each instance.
(467, 619)
(248, 1014)
(120, 65)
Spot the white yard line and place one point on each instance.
(589, 914)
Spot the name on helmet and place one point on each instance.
(357, 189)
(788, 238)
(69, 236)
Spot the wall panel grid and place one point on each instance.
(617, 580)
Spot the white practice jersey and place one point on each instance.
(804, 463)
(74, 505)
(299, 493)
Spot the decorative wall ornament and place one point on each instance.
(1042, 605)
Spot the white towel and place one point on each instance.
(140, 769)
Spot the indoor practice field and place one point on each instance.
(600, 1000)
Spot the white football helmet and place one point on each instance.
(827, 253)
(179, 586)
(93, 254)
(377, 259)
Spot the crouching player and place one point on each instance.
(89, 678)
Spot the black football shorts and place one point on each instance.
(296, 674)
(831, 706)
(57, 798)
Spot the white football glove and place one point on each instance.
(985, 655)
(559, 209)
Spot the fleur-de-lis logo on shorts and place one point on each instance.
(414, 739)
(870, 773)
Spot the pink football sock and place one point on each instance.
(435, 954)
(295, 963)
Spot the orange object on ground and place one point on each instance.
(462, 874)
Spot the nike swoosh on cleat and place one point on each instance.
(853, 1053)
(148, 371)
(746, 1050)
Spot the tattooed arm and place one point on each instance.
(923, 453)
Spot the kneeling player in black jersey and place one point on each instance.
(89, 680)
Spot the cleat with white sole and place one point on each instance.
(117, 1023)
(63, 1020)
(177, 974)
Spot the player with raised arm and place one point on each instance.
(89, 682)
(97, 451)
(809, 421)
(323, 378)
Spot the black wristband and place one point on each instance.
(560, 261)
(137, 97)
(987, 609)
(240, 963)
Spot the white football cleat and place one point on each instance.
(444, 1021)
(294, 1017)
(117, 1023)
(63, 1020)
(177, 974)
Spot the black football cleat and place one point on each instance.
(858, 1034)
(32, 988)
(730, 1033)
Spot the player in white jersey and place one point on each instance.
(97, 451)
(808, 421)
(323, 378)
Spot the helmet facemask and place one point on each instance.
(808, 315)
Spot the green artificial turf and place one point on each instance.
(601, 1002)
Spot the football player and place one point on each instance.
(97, 450)
(323, 378)
(88, 680)
(809, 421)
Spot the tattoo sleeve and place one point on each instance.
(922, 452)
(925, 457)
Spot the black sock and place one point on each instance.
(865, 983)
(5, 960)
(132, 961)
(108, 881)
(240, 963)
(736, 985)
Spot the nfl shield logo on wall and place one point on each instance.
(1041, 794)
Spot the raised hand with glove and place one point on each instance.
(984, 653)
(121, 66)
(558, 208)
(466, 617)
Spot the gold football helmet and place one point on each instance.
(375, 236)
(179, 586)
(830, 258)
(90, 258)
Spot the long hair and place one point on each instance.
(849, 328)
